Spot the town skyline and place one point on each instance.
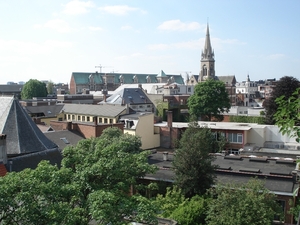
(51, 39)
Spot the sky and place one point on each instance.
(50, 39)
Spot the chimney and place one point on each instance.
(165, 156)
(169, 118)
(104, 92)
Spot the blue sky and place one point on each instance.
(50, 39)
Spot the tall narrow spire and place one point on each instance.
(208, 53)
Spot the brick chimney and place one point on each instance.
(104, 92)
(169, 118)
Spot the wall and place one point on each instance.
(145, 129)
(86, 129)
(257, 135)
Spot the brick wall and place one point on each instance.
(86, 129)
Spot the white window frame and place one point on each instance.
(235, 138)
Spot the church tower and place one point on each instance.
(207, 70)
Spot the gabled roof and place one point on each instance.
(64, 138)
(11, 88)
(23, 136)
(129, 96)
(94, 110)
(161, 74)
(47, 110)
(31, 160)
(230, 79)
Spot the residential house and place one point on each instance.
(141, 124)
(90, 120)
(246, 137)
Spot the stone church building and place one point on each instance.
(207, 70)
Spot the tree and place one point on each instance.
(33, 88)
(185, 211)
(210, 100)
(92, 184)
(243, 204)
(284, 87)
(50, 86)
(194, 171)
(287, 116)
(192, 212)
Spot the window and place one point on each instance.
(219, 135)
(88, 118)
(235, 138)
(73, 117)
(189, 89)
(100, 120)
(105, 120)
(65, 140)
(110, 120)
(69, 116)
(78, 118)
(83, 118)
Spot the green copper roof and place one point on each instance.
(161, 74)
(125, 78)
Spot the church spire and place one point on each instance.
(207, 53)
(207, 67)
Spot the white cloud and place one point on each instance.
(77, 7)
(57, 24)
(95, 28)
(177, 25)
(120, 10)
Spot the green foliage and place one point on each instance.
(50, 86)
(242, 204)
(194, 172)
(185, 211)
(247, 119)
(170, 202)
(161, 106)
(287, 116)
(192, 212)
(33, 88)
(210, 100)
(285, 86)
(93, 183)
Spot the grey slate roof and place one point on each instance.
(230, 79)
(129, 96)
(94, 110)
(47, 110)
(23, 136)
(11, 88)
(275, 173)
(64, 138)
(31, 161)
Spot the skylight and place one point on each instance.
(65, 140)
